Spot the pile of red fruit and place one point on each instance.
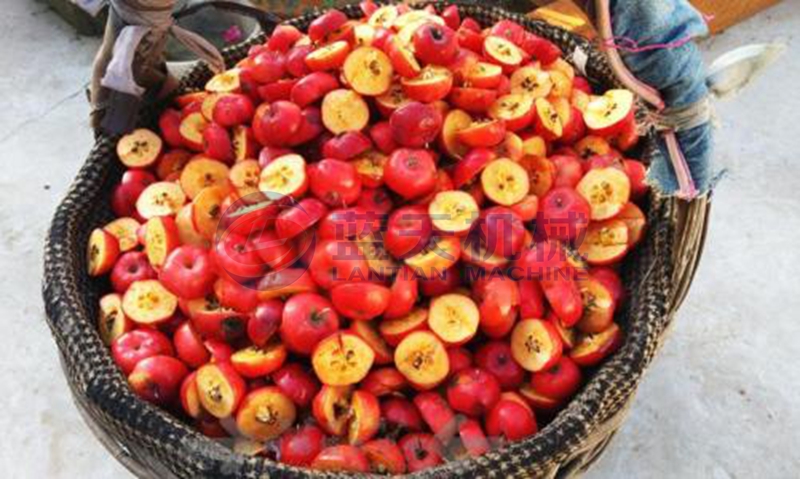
(373, 246)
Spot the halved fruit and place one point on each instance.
(171, 163)
(220, 388)
(537, 400)
(191, 130)
(532, 82)
(535, 344)
(202, 172)
(265, 414)
(607, 190)
(483, 75)
(126, 230)
(609, 114)
(225, 82)
(422, 358)
(139, 148)
(209, 102)
(342, 359)
(454, 318)
(380, 262)
(441, 253)
(190, 399)
(163, 198)
(365, 417)
(395, 330)
(542, 174)
(160, 238)
(632, 216)
(285, 176)
(473, 100)
(331, 408)
(534, 146)
(432, 84)
(245, 176)
(516, 110)
(562, 84)
(402, 57)
(366, 331)
(255, 362)
(392, 100)
(475, 251)
(455, 121)
(148, 302)
(328, 57)
(453, 211)
(370, 167)
(285, 283)
(384, 17)
(549, 124)
(112, 322)
(606, 242)
(368, 71)
(501, 51)
(102, 252)
(598, 306)
(187, 233)
(593, 348)
(483, 133)
(505, 182)
(344, 110)
(207, 210)
(361, 301)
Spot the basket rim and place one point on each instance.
(570, 426)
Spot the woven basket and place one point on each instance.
(153, 443)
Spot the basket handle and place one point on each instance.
(267, 20)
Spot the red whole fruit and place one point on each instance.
(375, 201)
(158, 379)
(337, 262)
(313, 87)
(131, 266)
(360, 301)
(238, 257)
(297, 383)
(326, 24)
(346, 146)
(299, 447)
(435, 44)
(188, 272)
(422, 451)
(451, 17)
(611, 280)
(139, 344)
(437, 414)
(296, 219)
(496, 358)
(384, 381)
(342, 458)
(416, 124)
(307, 319)
(473, 438)
(267, 67)
(169, 123)
(189, 346)
(569, 170)
(637, 173)
(460, 359)
(473, 391)
(335, 182)
(384, 456)
(232, 110)
(296, 60)
(531, 297)
(404, 294)
(565, 298)
(564, 215)
(502, 230)
(560, 381)
(265, 321)
(348, 224)
(235, 295)
(411, 173)
(400, 413)
(275, 124)
(283, 37)
(217, 143)
(511, 420)
(408, 231)
(381, 134)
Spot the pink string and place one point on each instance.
(630, 45)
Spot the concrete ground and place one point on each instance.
(720, 402)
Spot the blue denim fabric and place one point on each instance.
(678, 73)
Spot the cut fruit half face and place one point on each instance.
(454, 318)
(343, 111)
(244, 177)
(160, 238)
(191, 130)
(633, 216)
(532, 82)
(384, 17)
(607, 115)
(220, 389)
(607, 190)
(225, 82)
(535, 344)
(126, 231)
(516, 110)
(112, 322)
(139, 148)
(441, 253)
(548, 122)
(395, 330)
(453, 211)
(102, 252)
(342, 359)
(593, 348)
(201, 173)
(265, 414)
(422, 358)
(484, 75)
(606, 242)
(501, 51)
(432, 84)
(207, 210)
(148, 302)
(163, 198)
(505, 182)
(598, 306)
(455, 121)
(368, 71)
(285, 176)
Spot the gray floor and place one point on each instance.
(721, 401)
